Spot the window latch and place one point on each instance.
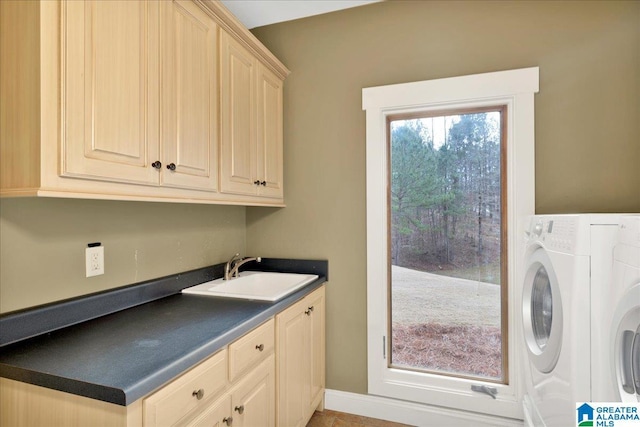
(491, 391)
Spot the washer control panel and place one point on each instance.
(627, 250)
(556, 233)
(629, 230)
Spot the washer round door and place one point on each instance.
(542, 312)
(626, 346)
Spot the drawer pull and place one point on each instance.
(260, 347)
(309, 310)
(228, 420)
(199, 394)
(239, 409)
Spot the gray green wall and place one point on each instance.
(587, 122)
(42, 244)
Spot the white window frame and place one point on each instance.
(515, 89)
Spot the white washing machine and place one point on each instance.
(566, 257)
(616, 349)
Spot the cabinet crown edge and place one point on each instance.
(232, 25)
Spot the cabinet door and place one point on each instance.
(269, 128)
(189, 104)
(300, 342)
(253, 400)
(237, 118)
(293, 365)
(217, 415)
(316, 334)
(110, 96)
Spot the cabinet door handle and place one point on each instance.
(260, 347)
(157, 164)
(239, 409)
(256, 182)
(171, 166)
(308, 311)
(263, 183)
(199, 394)
(228, 420)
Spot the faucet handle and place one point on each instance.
(234, 260)
(230, 265)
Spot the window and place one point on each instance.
(450, 178)
(446, 217)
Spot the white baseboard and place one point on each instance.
(415, 414)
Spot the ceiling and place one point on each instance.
(256, 13)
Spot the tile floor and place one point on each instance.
(328, 418)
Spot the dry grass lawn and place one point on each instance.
(445, 324)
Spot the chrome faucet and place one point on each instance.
(233, 265)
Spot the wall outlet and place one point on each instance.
(95, 261)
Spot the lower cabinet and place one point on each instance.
(300, 337)
(190, 393)
(234, 386)
(250, 403)
(253, 399)
(219, 414)
(271, 376)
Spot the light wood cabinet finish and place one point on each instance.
(27, 405)
(253, 399)
(250, 403)
(110, 114)
(250, 349)
(219, 414)
(133, 98)
(20, 65)
(300, 336)
(251, 124)
(237, 119)
(317, 350)
(203, 396)
(269, 142)
(99, 91)
(191, 392)
(189, 41)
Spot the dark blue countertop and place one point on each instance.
(123, 356)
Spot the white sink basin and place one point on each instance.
(254, 285)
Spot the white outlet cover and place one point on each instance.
(94, 261)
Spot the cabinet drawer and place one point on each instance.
(251, 349)
(195, 389)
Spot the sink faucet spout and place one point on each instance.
(232, 267)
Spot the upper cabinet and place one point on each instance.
(251, 124)
(189, 103)
(111, 87)
(138, 100)
(269, 130)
